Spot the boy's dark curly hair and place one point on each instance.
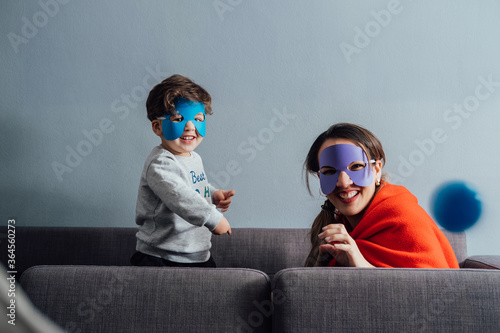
(162, 97)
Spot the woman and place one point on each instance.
(365, 221)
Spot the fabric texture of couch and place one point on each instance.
(81, 278)
(136, 299)
(387, 300)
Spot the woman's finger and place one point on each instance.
(338, 238)
(327, 248)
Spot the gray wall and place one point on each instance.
(75, 76)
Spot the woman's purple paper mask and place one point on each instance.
(337, 158)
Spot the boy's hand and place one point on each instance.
(222, 228)
(222, 199)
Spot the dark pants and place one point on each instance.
(141, 259)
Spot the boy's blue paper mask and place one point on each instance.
(188, 110)
(338, 158)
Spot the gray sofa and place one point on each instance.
(81, 279)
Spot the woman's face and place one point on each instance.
(350, 199)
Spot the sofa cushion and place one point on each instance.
(151, 299)
(20, 314)
(386, 300)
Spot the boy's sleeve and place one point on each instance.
(212, 190)
(164, 178)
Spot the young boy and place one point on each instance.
(176, 206)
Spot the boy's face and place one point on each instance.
(183, 131)
(186, 143)
(185, 111)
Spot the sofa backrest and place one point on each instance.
(150, 299)
(72, 246)
(458, 241)
(386, 300)
(272, 250)
(267, 250)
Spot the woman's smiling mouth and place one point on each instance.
(348, 196)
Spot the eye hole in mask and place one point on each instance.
(178, 118)
(354, 166)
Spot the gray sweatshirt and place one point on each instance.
(174, 208)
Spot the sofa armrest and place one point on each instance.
(482, 262)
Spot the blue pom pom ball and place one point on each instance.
(456, 206)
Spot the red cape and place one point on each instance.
(396, 232)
